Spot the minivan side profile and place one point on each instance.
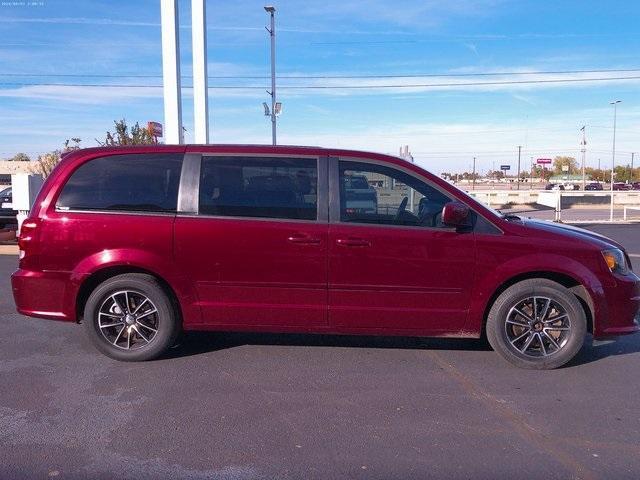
(140, 243)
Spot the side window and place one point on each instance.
(269, 187)
(136, 183)
(372, 193)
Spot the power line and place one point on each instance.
(258, 77)
(337, 87)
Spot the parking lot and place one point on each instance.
(244, 406)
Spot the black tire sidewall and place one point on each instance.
(497, 336)
(148, 286)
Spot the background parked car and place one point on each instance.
(554, 186)
(593, 186)
(360, 196)
(7, 213)
(622, 186)
(636, 185)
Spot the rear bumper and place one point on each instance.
(44, 294)
(622, 315)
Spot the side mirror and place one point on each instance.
(456, 214)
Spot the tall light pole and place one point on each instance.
(473, 178)
(272, 33)
(518, 179)
(613, 151)
(584, 154)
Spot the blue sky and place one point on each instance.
(113, 42)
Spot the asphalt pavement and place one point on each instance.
(248, 406)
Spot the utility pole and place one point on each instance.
(613, 151)
(584, 154)
(518, 179)
(272, 33)
(632, 155)
(473, 177)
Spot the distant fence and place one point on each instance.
(502, 198)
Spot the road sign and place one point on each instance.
(155, 129)
(505, 167)
(543, 161)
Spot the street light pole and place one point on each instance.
(473, 178)
(272, 33)
(584, 154)
(613, 151)
(518, 179)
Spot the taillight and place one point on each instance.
(27, 239)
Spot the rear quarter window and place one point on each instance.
(136, 183)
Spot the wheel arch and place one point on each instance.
(97, 277)
(567, 281)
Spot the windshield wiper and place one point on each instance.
(511, 218)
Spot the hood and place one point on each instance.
(570, 232)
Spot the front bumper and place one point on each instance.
(622, 316)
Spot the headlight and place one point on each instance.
(615, 260)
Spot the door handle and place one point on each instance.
(353, 242)
(303, 240)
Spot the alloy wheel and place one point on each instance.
(128, 320)
(537, 326)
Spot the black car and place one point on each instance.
(594, 186)
(7, 213)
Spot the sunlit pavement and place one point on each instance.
(239, 406)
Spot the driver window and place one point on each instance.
(377, 194)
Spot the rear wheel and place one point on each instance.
(537, 324)
(130, 317)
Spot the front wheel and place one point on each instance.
(537, 324)
(130, 317)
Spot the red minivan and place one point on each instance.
(139, 243)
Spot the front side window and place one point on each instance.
(134, 183)
(264, 187)
(377, 194)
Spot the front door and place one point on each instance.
(257, 247)
(393, 265)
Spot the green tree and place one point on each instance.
(46, 162)
(122, 135)
(20, 157)
(562, 161)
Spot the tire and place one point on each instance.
(134, 310)
(553, 342)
